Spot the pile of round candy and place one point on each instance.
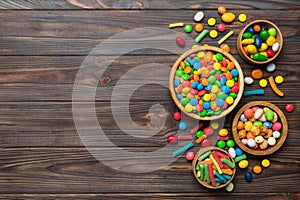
(206, 83)
(259, 128)
(260, 43)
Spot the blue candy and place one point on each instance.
(182, 126)
(257, 41)
(223, 81)
(206, 105)
(176, 82)
(194, 101)
(234, 72)
(209, 86)
(225, 89)
(200, 87)
(220, 102)
(267, 124)
(197, 66)
(248, 177)
(243, 118)
(250, 30)
(238, 152)
(179, 96)
(195, 84)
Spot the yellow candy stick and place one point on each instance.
(179, 24)
(215, 163)
(225, 37)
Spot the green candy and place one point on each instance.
(218, 112)
(219, 56)
(212, 72)
(221, 144)
(221, 95)
(206, 173)
(202, 113)
(212, 79)
(230, 143)
(233, 95)
(184, 101)
(264, 34)
(188, 28)
(210, 113)
(199, 134)
(219, 72)
(239, 158)
(259, 57)
(201, 172)
(187, 64)
(257, 123)
(179, 72)
(186, 77)
(272, 31)
(253, 37)
(197, 167)
(218, 84)
(203, 156)
(247, 35)
(269, 114)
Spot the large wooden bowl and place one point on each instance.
(216, 50)
(204, 183)
(268, 25)
(270, 149)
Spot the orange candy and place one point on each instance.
(228, 76)
(182, 65)
(257, 74)
(257, 28)
(187, 70)
(204, 82)
(221, 10)
(257, 169)
(198, 28)
(230, 66)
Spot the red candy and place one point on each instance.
(276, 126)
(172, 139)
(206, 143)
(289, 108)
(270, 53)
(180, 41)
(221, 27)
(189, 156)
(177, 116)
(248, 113)
(208, 131)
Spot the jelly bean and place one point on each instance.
(199, 16)
(177, 116)
(257, 74)
(232, 152)
(188, 108)
(230, 83)
(188, 28)
(263, 83)
(272, 31)
(238, 152)
(225, 89)
(172, 139)
(221, 10)
(230, 187)
(247, 41)
(270, 53)
(259, 57)
(228, 17)
(185, 77)
(189, 155)
(263, 47)
(275, 47)
(279, 79)
(248, 80)
(257, 41)
(225, 37)
(251, 48)
(202, 113)
(221, 144)
(213, 34)
(270, 41)
(243, 164)
(271, 67)
(179, 97)
(264, 34)
(250, 30)
(242, 17)
(248, 176)
(289, 108)
(180, 41)
(247, 35)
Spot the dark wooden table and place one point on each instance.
(43, 44)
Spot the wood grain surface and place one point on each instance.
(43, 43)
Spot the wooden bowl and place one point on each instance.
(268, 25)
(204, 183)
(269, 149)
(216, 50)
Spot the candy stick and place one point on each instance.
(217, 159)
(227, 177)
(198, 174)
(206, 173)
(196, 128)
(183, 149)
(239, 158)
(225, 138)
(211, 175)
(215, 163)
(274, 87)
(203, 156)
(204, 162)
(225, 37)
(201, 36)
(222, 155)
(222, 179)
(227, 171)
(228, 162)
(185, 137)
(201, 172)
(179, 24)
(253, 92)
(200, 139)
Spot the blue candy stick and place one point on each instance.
(183, 149)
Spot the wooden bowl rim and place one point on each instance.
(280, 141)
(206, 48)
(202, 151)
(240, 47)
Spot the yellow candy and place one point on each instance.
(263, 83)
(265, 163)
(230, 83)
(206, 97)
(186, 90)
(264, 53)
(217, 66)
(247, 41)
(263, 47)
(229, 100)
(213, 34)
(201, 54)
(214, 125)
(205, 45)
(248, 125)
(211, 21)
(242, 17)
(195, 46)
(279, 79)
(223, 132)
(228, 17)
(271, 40)
(243, 164)
(188, 107)
(214, 89)
(251, 49)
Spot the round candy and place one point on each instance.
(221, 10)
(228, 17)
(248, 80)
(276, 134)
(177, 116)
(248, 177)
(271, 141)
(243, 164)
(257, 28)
(208, 131)
(206, 143)
(238, 152)
(232, 152)
(182, 126)
(172, 139)
(229, 100)
(289, 108)
(272, 31)
(198, 16)
(213, 34)
(188, 28)
(180, 41)
(223, 132)
(189, 155)
(242, 17)
(230, 187)
(257, 169)
(263, 83)
(276, 126)
(199, 134)
(221, 144)
(271, 67)
(230, 143)
(221, 27)
(215, 125)
(251, 143)
(265, 163)
(211, 21)
(225, 47)
(198, 27)
(257, 74)
(275, 47)
(279, 79)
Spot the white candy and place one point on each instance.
(271, 67)
(263, 118)
(258, 113)
(259, 139)
(199, 16)
(232, 152)
(276, 134)
(275, 47)
(251, 143)
(248, 80)
(271, 141)
(230, 187)
(275, 118)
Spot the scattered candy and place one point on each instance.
(221, 144)
(230, 187)
(257, 169)
(238, 151)
(248, 80)
(180, 41)
(230, 143)
(221, 27)
(183, 149)
(271, 67)
(198, 28)
(177, 116)
(274, 87)
(257, 74)
(188, 28)
(213, 34)
(215, 125)
(211, 21)
(180, 24)
(201, 36)
(172, 139)
(243, 164)
(289, 108)
(225, 47)
(232, 152)
(182, 126)
(189, 155)
(242, 17)
(228, 17)
(248, 177)
(253, 92)
(265, 163)
(279, 79)
(225, 37)
(263, 83)
(199, 16)
(221, 10)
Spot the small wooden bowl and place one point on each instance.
(204, 183)
(268, 25)
(270, 149)
(213, 49)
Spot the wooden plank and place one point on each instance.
(78, 32)
(42, 78)
(74, 170)
(143, 4)
(51, 124)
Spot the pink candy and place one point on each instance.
(276, 126)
